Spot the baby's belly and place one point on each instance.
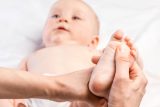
(60, 60)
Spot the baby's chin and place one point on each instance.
(61, 43)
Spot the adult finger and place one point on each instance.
(139, 78)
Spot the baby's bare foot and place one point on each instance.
(134, 52)
(103, 73)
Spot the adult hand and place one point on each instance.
(74, 87)
(129, 83)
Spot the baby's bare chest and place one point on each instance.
(60, 60)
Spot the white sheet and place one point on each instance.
(22, 21)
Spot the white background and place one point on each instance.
(22, 21)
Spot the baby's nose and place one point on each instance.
(63, 20)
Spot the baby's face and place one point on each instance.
(70, 22)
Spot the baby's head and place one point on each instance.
(71, 22)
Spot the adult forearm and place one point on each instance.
(68, 87)
(21, 84)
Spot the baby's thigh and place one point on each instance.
(6, 103)
(12, 103)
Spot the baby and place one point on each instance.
(70, 39)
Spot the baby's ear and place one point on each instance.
(94, 41)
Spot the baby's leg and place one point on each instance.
(12, 103)
(19, 103)
(103, 73)
(6, 103)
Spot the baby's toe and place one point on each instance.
(117, 36)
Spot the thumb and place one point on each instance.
(122, 61)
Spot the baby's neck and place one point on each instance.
(66, 44)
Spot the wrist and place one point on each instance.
(52, 89)
(115, 105)
(122, 103)
(58, 89)
(117, 102)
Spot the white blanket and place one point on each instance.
(22, 21)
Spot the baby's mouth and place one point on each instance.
(62, 28)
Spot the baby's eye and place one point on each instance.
(55, 16)
(76, 18)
